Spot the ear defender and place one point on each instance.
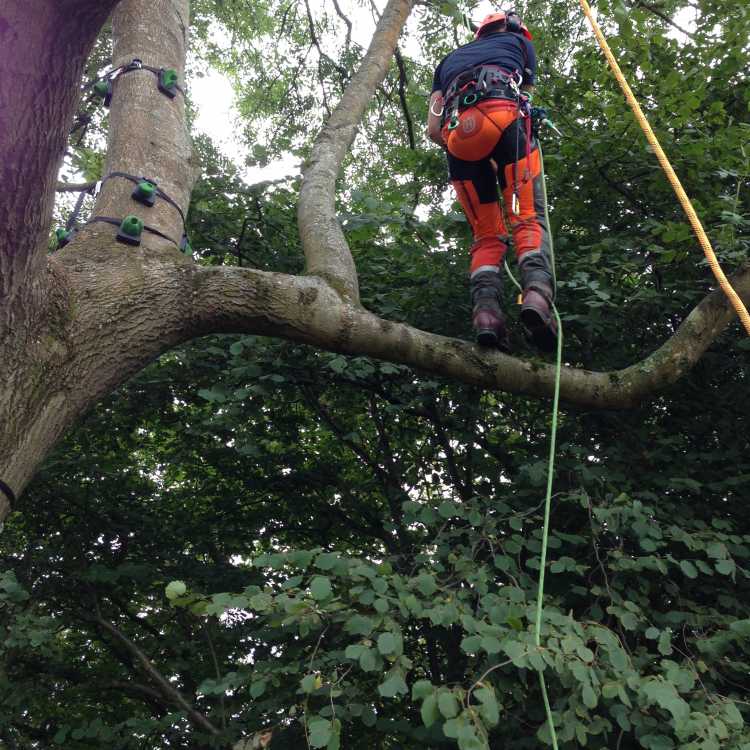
(513, 23)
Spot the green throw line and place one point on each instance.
(550, 463)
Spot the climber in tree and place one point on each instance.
(480, 114)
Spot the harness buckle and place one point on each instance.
(514, 81)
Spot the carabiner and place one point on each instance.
(469, 99)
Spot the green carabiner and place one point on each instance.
(470, 99)
(453, 124)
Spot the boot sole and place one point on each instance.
(540, 331)
(486, 337)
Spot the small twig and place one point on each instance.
(317, 646)
(403, 82)
(164, 685)
(482, 678)
(664, 17)
(346, 21)
(217, 671)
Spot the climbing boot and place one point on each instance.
(488, 319)
(537, 317)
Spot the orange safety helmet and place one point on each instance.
(495, 18)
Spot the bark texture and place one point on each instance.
(326, 250)
(75, 325)
(44, 46)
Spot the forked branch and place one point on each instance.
(326, 249)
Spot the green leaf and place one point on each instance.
(60, 736)
(665, 695)
(448, 509)
(491, 644)
(335, 742)
(733, 715)
(447, 704)
(471, 644)
(426, 584)
(429, 711)
(212, 395)
(261, 602)
(320, 732)
(320, 588)
(688, 569)
(393, 686)
(359, 625)
(665, 643)
(326, 560)
(175, 589)
(308, 683)
(354, 651)
(725, 567)
(386, 643)
(489, 710)
(656, 742)
(257, 688)
(421, 689)
(368, 662)
(589, 696)
(515, 651)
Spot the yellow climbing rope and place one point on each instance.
(671, 176)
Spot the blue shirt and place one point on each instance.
(503, 48)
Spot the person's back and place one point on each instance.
(508, 51)
(479, 114)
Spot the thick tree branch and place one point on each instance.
(130, 307)
(44, 45)
(326, 250)
(147, 137)
(306, 310)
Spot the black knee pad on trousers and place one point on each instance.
(535, 267)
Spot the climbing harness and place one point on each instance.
(167, 80)
(476, 84)
(8, 492)
(687, 206)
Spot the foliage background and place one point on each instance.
(345, 551)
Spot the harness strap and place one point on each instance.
(118, 222)
(477, 83)
(136, 180)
